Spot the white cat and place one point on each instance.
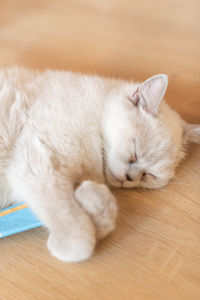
(58, 128)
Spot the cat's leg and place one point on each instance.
(51, 196)
(100, 204)
(72, 234)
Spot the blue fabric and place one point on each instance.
(18, 221)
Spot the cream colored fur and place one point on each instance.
(58, 128)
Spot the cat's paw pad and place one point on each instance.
(71, 248)
(100, 204)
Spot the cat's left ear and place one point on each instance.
(150, 93)
(192, 133)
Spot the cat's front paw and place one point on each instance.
(100, 204)
(72, 248)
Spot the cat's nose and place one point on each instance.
(128, 178)
(133, 174)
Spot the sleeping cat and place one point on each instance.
(58, 128)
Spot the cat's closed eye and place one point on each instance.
(145, 176)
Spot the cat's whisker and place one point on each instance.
(176, 181)
(180, 183)
(187, 171)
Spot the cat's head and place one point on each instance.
(144, 137)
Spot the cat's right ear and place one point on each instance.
(150, 93)
(192, 133)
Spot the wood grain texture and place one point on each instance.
(155, 251)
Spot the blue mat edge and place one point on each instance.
(18, 221)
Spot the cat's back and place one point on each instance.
(48, 98)
(13, 110)
(56, 106)
(13, 104)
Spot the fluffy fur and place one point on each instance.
(58, 128)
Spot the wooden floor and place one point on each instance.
(155, 251)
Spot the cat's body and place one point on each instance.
(58, 128)
(69, 127)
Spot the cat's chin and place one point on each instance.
(112, 179)
(129, 185)
(115, 184)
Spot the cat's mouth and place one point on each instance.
(119, 181)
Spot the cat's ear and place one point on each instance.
(192, 133)
(150, 93)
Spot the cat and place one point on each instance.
(58, 128)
